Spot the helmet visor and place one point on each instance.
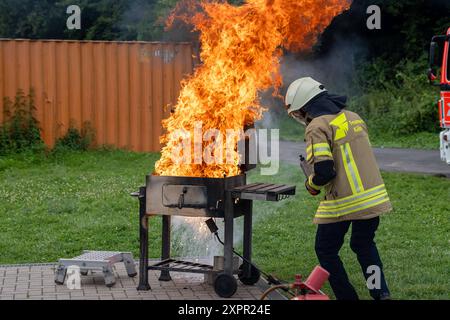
(299, 116)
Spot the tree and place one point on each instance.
(407, 27)
(31, 19)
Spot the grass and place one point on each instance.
(56, 207)
(52, 207)
(290, 130)
(418, 140)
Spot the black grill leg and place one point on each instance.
(143, 242)
(247, 252)
(228, 247)
(165, 252)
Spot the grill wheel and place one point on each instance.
(254, 277)
(225, 285)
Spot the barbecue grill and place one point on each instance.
(226, 198)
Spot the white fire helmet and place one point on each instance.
(300, 92)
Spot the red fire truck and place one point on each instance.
(442, 43)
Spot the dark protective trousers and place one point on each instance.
(329, 240)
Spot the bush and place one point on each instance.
(75, 139)
(398, 103)
(20, 130)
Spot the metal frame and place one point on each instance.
(182, 266)
(237, 201)
(143, 241)
(167, 264)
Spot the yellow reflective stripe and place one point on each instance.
(347, 170)
(370, 204)
(353, 198)
(352, 204)
(311, 183)
(308, 153)
(358, 177)
(321, 145)
(351, 170)
(323, 153)
(320, 149)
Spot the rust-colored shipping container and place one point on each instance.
(121, 88)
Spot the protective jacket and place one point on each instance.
(357, 191)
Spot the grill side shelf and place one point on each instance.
(263, 191)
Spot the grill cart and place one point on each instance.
(224, 198)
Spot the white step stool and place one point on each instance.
(97, 260)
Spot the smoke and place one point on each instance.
(192, 238)
(146, 20)
(336, 69)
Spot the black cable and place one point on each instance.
(211, 223)
(270, 279)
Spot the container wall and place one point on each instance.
(122, 89)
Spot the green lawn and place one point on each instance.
(55, 207)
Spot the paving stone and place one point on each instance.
(20, 296)
(37, 282)
(10, 289)
(34, 293)
(48, 289)
(9, 280)
(89, 290)
(76, 293)
(204, 296)
(93, 297)
(119, 296)
(78, 298)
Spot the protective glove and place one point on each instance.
(312, 190)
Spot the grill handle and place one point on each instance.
(181, 198)
(135, 194)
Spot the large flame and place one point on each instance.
(240, 51)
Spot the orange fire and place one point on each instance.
(240, 51)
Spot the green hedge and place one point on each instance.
(398, 101)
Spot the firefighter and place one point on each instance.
(345, 170)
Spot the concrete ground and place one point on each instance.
(36, 282)
(389, 159)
